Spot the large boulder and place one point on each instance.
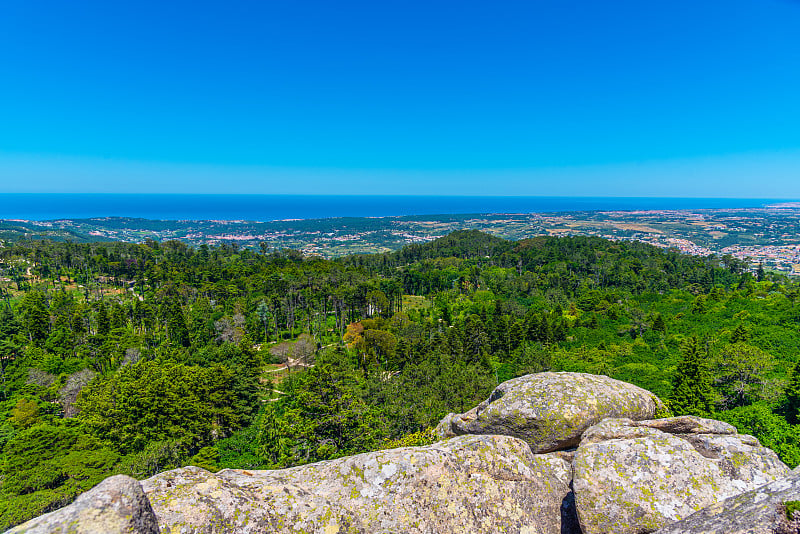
(551, 411)
(466, 484)
(116, 505)
(759, 511)
(636, 477)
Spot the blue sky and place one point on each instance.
(551, 97)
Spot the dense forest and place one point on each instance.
(136, 358)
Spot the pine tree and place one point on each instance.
(117, 316)
(692, 393)
(658, 324)
(699, 305)
(793, 396)
(103, 324)
(739, 335)
(533, 326)
(177, 330)
(35, 316)
(9, 323)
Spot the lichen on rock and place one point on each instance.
(550, 411)
(630, 477)
(758, 511)
(116, 505)
(465, 484)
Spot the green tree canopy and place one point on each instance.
(692, 392)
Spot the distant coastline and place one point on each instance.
(52, 206)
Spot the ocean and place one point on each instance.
(47, 206)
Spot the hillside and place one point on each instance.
(137, 358)
(766, 236)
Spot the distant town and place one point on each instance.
(767, 236)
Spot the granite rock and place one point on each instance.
(116, 505)
(631, 477)
(550, 411)
(465, 484)
(759, 511)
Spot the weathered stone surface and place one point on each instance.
(689, 424)
(466, 484)
(444, 430)
(630, 477)
(551, 410)
(623, 428)
(117, 504)
(760, 511)
(686, 426)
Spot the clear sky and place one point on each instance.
(537, 97)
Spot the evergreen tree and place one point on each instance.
(9, 323)
(177, 330)
(699, 305)
(793, 396)
(200, 324)
(117, 316)
(692, 393)
(78, 324)
(516, 335)
(739, 335)
(103, 323)
(36, 318)
(206, 458)
(559, 328)
(658, 324)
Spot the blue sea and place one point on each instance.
(45, 206)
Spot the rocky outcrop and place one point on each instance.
(466, 484)
(634, 477)
(760, 511)
(117, 504)
(630, 473)
(551, 411)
